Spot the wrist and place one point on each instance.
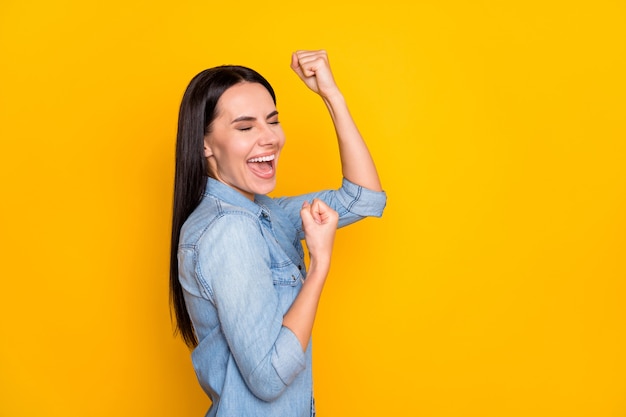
(319, 267)
(333, 97)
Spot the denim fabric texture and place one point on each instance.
(241, 265)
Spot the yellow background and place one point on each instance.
(494, 285)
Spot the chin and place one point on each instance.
(266, 188)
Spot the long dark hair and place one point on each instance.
(197, 112)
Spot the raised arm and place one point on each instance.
(356, 161)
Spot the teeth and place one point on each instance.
(262, 159)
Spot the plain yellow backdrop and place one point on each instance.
(494, 285)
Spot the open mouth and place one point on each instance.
(262, 166)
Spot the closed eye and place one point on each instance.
(272, 118)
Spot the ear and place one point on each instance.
(207, 148)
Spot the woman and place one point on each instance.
(242, 297)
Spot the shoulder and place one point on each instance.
(214, 217)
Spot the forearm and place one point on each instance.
(357, 164)
(301, 315)
(356, 161)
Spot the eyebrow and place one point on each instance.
(251, 119)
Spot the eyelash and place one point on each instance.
(245, 129)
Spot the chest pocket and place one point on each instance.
(284, 271)
(286, 274)
(287, 281)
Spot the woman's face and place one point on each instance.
(245, 140)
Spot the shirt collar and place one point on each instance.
(229, 195)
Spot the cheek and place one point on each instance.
(281, 138)
(234, 152)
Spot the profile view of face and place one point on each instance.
(245, 139)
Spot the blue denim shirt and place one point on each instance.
(241, 265)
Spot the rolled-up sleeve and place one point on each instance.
(361, 201)
(351, 201)
(234, 267)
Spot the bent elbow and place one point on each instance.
(273, 375)
(266, 386)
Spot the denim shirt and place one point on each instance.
(241, 265)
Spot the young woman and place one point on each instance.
(241, 294)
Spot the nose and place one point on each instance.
(270, 134)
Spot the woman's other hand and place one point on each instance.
(314, 69)
(319, 223)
